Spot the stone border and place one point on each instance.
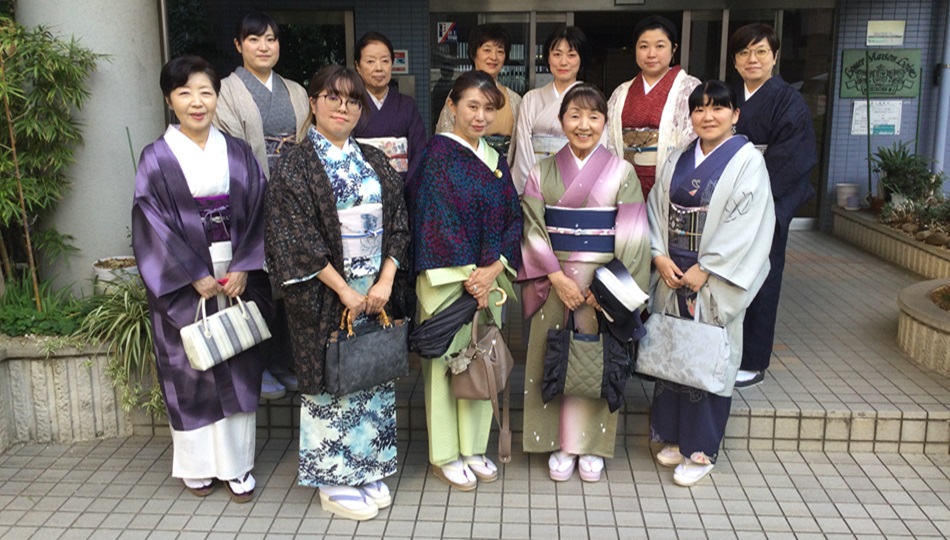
(864, 230)
(61, 398)
(923, 330)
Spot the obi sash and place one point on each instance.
(361, 228)
(395, 148)
(640, 146)
(581, 229)
(691, 189)
(275, 144)
(547, 145)
(215, 213)
(501, 143)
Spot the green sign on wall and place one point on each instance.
(880, 73)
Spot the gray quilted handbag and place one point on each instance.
(375, 353)
(687, 351)
(575, 363)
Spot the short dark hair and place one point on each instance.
(373, 37)
(481, 81)
(343, 82)
(656, 22)
(713, 92)
(255, 24)
(484, 33)
(576, 40)
(177, 71)
(586, 96)
(753, 33)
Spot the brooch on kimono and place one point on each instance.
(498, 173)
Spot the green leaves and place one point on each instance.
(18, 316)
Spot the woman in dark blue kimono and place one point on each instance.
(198, 232)
(392, 121)
(777, 121)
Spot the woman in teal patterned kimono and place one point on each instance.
(337, 229)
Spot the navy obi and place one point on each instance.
(581, 229)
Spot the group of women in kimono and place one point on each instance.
(357, 202)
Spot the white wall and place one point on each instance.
(125, 93)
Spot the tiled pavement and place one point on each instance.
(847, 439)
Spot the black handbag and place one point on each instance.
(371, 354)
(586, 365)
(432, 338)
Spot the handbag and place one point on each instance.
(488, 373)
(371, 354)
(592, 366)
(687, 351)
(226, 333)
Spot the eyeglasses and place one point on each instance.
(760, 54)
(334, 101)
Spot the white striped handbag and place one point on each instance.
(233, 330)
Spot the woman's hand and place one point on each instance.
(353, 301)
(695, 278)
(235, 283)
(207, 287)
(568, 291)
(592, 302)
(481, 280)
(669, 272)
(379, 295)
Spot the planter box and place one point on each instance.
(923, 331)
(60, 398)
(863, 229)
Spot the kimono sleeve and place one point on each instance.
(249, 251)
(417, 139)
(537, 257)
(295, 249)
(632, 227)
(791, 152)
(166, 260)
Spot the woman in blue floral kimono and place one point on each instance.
(337, 229)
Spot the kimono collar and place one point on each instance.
(329, 151)
(485, 153)
(558, 95)
(206, 170)
(245, 74)
(576, 178)
(379, 102)
(698, 155)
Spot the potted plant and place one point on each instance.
(119, 320)
(902, 172)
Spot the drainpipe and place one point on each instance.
(943, 104)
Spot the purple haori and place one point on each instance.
(171, 248)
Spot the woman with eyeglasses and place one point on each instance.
(337, 230)
(777, 121)
(648, 117)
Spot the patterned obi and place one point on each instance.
(581, 229)
(547, 145)
(395, 148)
(361, 228)
(500, 143)
(686, 226)
(275, 144)
(640, 146)
(215, 215)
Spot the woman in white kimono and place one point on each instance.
(488, 47)
(566, 52)
(711, 223)
(271, 114)
(649, 117)
(566, 239)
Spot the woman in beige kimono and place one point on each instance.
(488, 47)
(566, 52)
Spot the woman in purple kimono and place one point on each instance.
(391, 122)
(198, 232)
(583, 207)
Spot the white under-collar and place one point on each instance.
(269, 83)
(748, 94)
(581, 162)
(698, 153)
(379, 102)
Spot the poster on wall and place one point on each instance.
(445, 32)
(400, 62)
(880, 73)
(885, 117)
(885, 33)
